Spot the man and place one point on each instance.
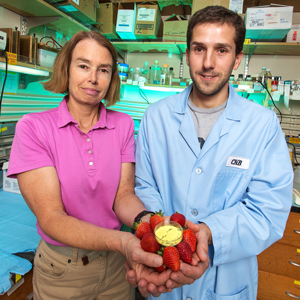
(219, 159)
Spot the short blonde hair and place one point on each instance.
(59, 81)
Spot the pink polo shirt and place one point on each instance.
(88, 165)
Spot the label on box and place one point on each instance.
(257, 19)
(11, 58)
(76, 1)
(272, 18)
(124, 20)
(68, 8)
(236, 6)
(146, 14)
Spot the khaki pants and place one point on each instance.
(57, 276)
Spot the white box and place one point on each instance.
(46, 58)
(294, 34)
(9, 184)
(126, 23)
(268, 23)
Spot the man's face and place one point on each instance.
(211, 59)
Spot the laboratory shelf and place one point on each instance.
(54, 18)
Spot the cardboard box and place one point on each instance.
(148, 20)
(126, 21)
(9, 184)
(234, 5)
(107, 19)
(82, 10)
(175, 28)
(268, 23)
(294, 34)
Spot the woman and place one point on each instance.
(75, 168)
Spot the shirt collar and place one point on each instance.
(65, 118)
(232, 110)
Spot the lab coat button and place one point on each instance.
(90, 151)
(195, 212)
(188, 298)
(88, 140)
(90, 163)
(198, 171)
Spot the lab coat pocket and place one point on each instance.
(46, 266)
(244, 294)
(229, 186)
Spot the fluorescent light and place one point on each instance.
(161, 89)
(25, 70)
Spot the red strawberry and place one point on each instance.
(149, 243)
(190, 237)
(156, 219)
(171, 258)
(185, 252)
(161, 268)
(179, 218)
(141, 229)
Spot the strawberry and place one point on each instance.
(156, 219)
(141, 229)
(149, 243)
(171, 258)
(161, 268)
(185, 252)
(179, 218)
(190, 237)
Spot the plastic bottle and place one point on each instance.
(136, 74)
(146, 72)
(155, 73)
(171, 75)
(164, 74)
(263, 75)
(269, 75)
(131, 73)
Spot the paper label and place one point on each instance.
(271, 19)
(236, 6)
(11, 58)
(238, 162)
(76, 1)
(297, 282)
(124, 20)
(294, 141)
(257, 19)
(146, 14)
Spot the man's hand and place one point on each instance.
(150, 282)
(187, 274)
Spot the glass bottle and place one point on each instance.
(164, 74)
(171, 75)
(136, 74)
(263, 75)
(155, 73)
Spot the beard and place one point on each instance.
(210, 89)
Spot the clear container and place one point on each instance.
(269, 75)
(262, 77)
(164, 74)
(171, 75)
(168, 233)
(131, 73)
(155, 73)
(297, 178)
(146, 71)
(136, 74)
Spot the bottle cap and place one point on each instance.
(156, 61)
(171, 68)
(146, 63)
(165, 66)
(137, 68)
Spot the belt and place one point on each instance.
(86, 256)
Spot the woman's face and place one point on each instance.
(90, 72)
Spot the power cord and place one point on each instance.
(265, 87)
(143, 95)
(294, 152)
(6, 65)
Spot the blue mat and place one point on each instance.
(17, 234)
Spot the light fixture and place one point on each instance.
(24, 70)
(162, 89)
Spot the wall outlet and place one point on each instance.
(2, 40)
